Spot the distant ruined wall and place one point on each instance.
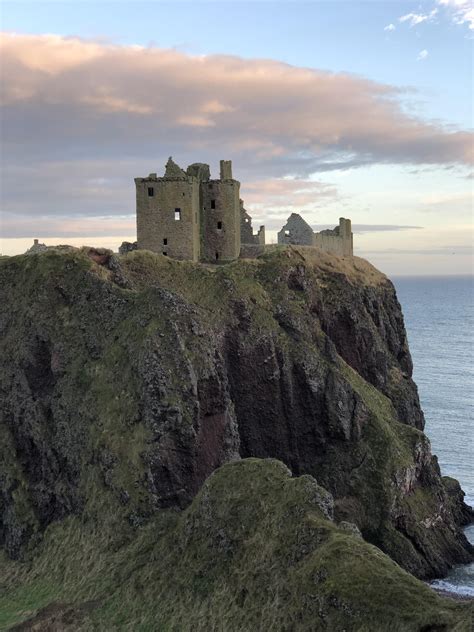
(338, 241)
(246, 229)
(296, 231)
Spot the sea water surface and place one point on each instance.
(439, 319)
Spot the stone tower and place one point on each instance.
(168, 213)
(186, 215)
(220, 217)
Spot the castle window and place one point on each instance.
(213, 204)
(184, 193)
(165, 242)
(287, 233)
(177, 214)
(165, 254)
(217, 256)
(151, 191)
(219, 225)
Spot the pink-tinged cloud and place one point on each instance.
(67, 227)
(90, 92)
(287, 194)
(80, 119)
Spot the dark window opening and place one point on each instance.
(165, 242)
(165, 253)
(219, 225)
(151, 191)
(184, 194)
(217, 256)
(213, 204)
(177, 214)
(210, 186)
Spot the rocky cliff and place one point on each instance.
(127, 381)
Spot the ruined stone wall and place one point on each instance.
(338, 241)
(246, 230)
(296, 231)
(168, 220)
(252, 251)
(220, 220)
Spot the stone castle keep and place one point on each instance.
(188, 215)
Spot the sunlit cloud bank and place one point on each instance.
(68, 96)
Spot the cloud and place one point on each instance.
(414, 19)
(68, 227)
(81, 118)
(455, 249)
(380, 228)
(287, 194)
(423, 54)
(460, 204)
(390, 27)
(462, 11)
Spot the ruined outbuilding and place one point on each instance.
(189, 215)
(36, 247)
(338, 241)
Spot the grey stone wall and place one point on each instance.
(168, 220)
(220, 220)
(296, 231)
(338, 241)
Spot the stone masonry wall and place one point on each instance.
(296, 231)
(159, 227)
(220, 220)
(337, 241)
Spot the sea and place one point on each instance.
(439, 319)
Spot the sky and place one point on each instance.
(329, 109)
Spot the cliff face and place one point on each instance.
(126, 382)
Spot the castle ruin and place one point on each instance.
(338, 241)
(190, 216)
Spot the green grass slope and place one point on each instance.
(254, 551)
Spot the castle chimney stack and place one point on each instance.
(226, 169)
